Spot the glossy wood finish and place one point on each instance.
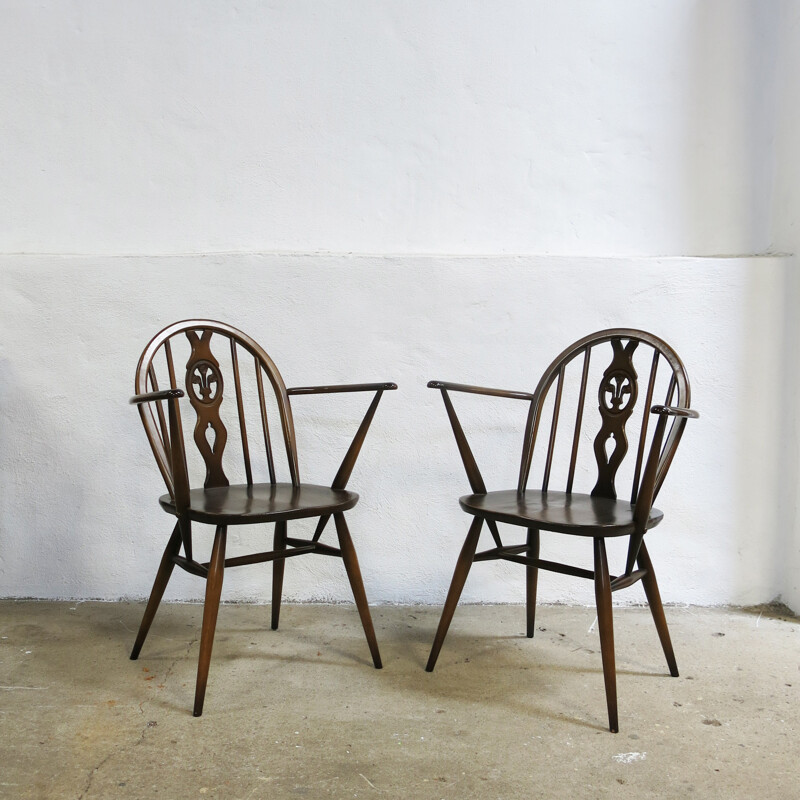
(278, 547)
(261, 502)
(216, 572)
(531, 580)
(160, 584)
(657, 609)
(578, 514)
(216, 502)
(463, 565)
(598, 514)
(605, 624)
(357, 585)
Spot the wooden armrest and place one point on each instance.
(346, 468)
(163, 394)
(672, 411)
(462, 387)
(345, 387)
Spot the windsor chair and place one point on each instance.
(597, 514)
(219, 502)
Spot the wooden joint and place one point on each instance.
(201, 570)
(314, 547)
(624, 581)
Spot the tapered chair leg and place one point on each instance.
(216, 569)
(357, 585)
(531, 580)
(278, 544)
(656, 609)
(602, 592)
(456, 587)
(159, 585)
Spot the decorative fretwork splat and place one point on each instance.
(204, 387)
(617, 396)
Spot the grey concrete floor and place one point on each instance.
(301, 712)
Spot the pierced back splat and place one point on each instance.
(617, 397)
(204, 387)
(619, 405)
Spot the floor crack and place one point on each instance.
(91, 775)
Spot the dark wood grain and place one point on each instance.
(344, 387)
(531, 581)
(262, 502)
(357, 586)
(456, 587)
(597, 515)
(205, 387)
(464, 387)
(605, 624)
(216, 572)
(616, 400)
(467, 458)
(278, 546)
(656, 609)
(159, 585)
(578, 514)
(213, 500)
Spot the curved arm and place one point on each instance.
(149, 397)
(177, 477)
(345, 387)
(674, 411)
(467, 458)
(463, 387)
(349, 460)
(650, 480)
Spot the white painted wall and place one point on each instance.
(79, 512)
(597, 139)
(786, 238)
(564, 127)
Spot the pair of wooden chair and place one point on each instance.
(213, 350)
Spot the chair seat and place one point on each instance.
(579, 514)
(262, 502)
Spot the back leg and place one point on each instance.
(656, 609)
(531, 580)
(278, 544)
(159, 585)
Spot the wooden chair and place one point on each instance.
(219, 502)
(598, 514)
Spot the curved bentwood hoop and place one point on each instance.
(222, 361)
(559, 419)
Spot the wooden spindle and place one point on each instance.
(264, 423)
(553, 429)
(645, 419)
(240, 408)
(162, 420)
(578, 420)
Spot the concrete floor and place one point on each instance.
(301, 712)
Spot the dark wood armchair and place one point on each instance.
(557, 434)
(212, 372)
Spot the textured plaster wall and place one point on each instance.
(458, 127)
(786, 238)
(78, 511)
(598, 139)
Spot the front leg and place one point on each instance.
(357, 585)
(463, 565)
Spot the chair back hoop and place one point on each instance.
(618, 396)
(204, 386)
